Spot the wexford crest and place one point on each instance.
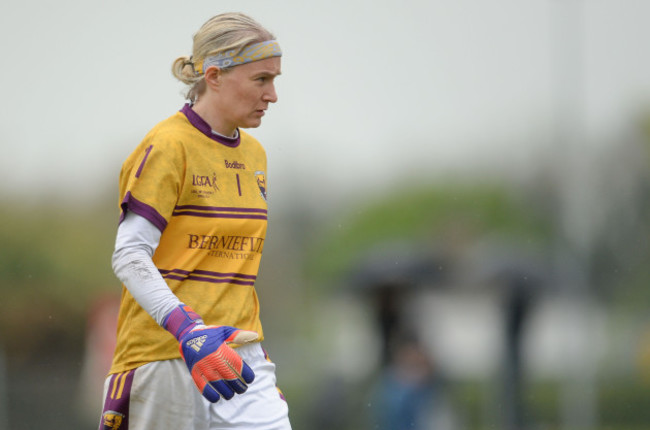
(261, 183)
(112, 420)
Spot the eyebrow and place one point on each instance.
(265, 74)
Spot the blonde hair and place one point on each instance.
(224, 32)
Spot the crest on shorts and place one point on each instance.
(112, 420)
(261, 183)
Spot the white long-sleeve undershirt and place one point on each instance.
(136, 241)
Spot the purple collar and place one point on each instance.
(205, 128)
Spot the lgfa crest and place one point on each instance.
(261, 183)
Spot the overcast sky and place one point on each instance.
(371, 90)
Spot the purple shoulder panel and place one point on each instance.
(142, 209)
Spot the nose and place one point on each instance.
(270, 94)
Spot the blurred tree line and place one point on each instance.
(54, 267)
(54, 262)
(589, 216)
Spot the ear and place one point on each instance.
(212, 77)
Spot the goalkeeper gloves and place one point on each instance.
(217, 370)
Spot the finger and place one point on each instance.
(210, 393)
(224, 364)
(217, 378)
(204, 387)
(237, 385)
(247, 373)
(238, 374)
(223, 388)
(242, 337)
(233, 376)
(235, 367)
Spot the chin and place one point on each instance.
(252, 124)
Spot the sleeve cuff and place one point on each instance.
(130, 203)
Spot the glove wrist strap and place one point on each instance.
(181, 320)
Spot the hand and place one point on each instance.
(217, 370)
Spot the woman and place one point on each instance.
(188, 247)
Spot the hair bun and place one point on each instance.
(183, 70)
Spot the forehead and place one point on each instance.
(269, 66)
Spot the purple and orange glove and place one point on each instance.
(217, 370)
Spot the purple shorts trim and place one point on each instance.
(116, 406)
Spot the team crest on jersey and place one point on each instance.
(112, 420)
(261, 183)
(205, 181)
(204, 186)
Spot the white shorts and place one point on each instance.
(162, 395)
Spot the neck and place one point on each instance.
(210, 115)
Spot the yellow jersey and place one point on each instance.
(207, 195)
